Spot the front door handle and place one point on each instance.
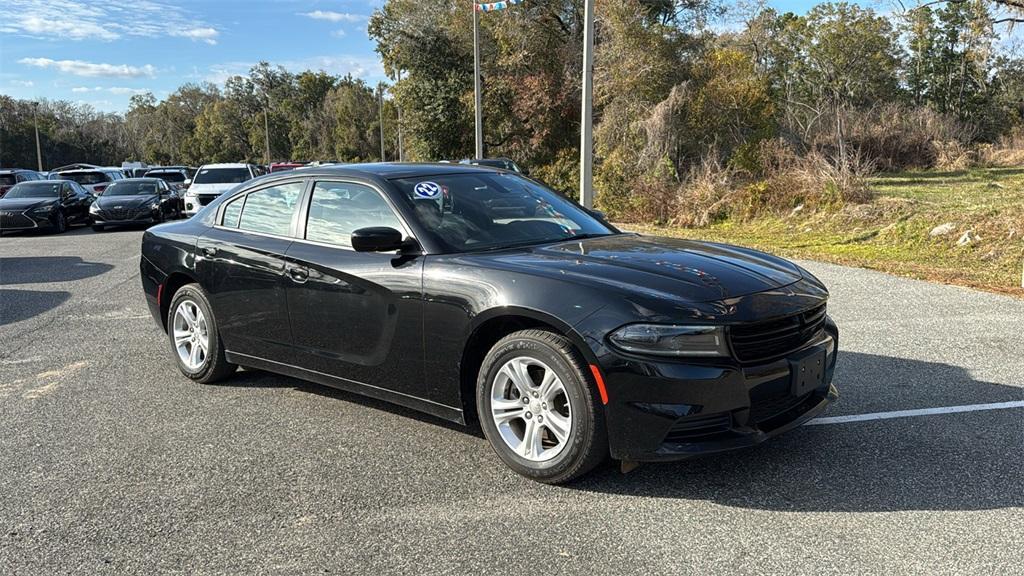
(298, 274)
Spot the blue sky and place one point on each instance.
(102, 51)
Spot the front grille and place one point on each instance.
(699, 428)
(770, 408)
(776, 338)
(117, 214)
(205, 199)
(15, 220)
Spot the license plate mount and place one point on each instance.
(808, 371)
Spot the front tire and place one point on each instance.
(195, 341)
(538, 408)
(60, 225)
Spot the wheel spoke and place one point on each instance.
(558, 425)
(181, 337)
(517, 377)
(549, 384)
(189, 314)
(526, 448)
(507, 416)
(194, 356)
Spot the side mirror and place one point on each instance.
(597, 214)
(187, 182)
(377, 239)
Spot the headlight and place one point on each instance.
(44, 210)
(671, 340)
(94, 208)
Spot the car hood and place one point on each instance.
(679, 269)
(129, 202)
(25, 203)
(210, 188)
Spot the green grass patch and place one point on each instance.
(892, 234)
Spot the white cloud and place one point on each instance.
(91, 69)
(339, 33)
(103, 20)
(208, 35)
(23, 83)
(333, 16)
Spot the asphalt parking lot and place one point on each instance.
(113, 463)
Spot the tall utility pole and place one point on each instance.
(476, 82)
(401, 151)
(587, 120)
(266, 130)
(380, 110)
(35, 120)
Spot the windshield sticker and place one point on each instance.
(427, 190)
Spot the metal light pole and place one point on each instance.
(35, 120)
(380, 110)
(476, 83)
(587, 120)
(266, 131)
(398, 108)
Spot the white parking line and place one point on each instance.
(921, 412)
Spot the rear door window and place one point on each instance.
(270, 210)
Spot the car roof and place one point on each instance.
(392, 170)
(165, 170)
(140, 179)
(225, 165)
(97, 169)
(13, 170)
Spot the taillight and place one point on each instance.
(99, 188)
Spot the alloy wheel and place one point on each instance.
(530, 409)
(191, 335)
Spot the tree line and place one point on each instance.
(675, 99)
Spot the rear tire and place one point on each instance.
(558, 407)
(191, 324)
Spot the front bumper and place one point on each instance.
(676, 409)
(194, 204)
(22, 220)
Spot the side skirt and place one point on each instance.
(432, 408)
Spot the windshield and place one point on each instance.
(221, 176)
(128, 188)
(37, 189)
(484, 211)
(8, 180)
(172, 177)
(85, 178)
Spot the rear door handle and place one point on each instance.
(298, 274)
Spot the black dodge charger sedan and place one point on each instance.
(473, 293)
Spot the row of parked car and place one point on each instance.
(101, 196)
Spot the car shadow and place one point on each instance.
(965, 461)
(19, 305)
(43, 269)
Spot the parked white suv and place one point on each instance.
(212, 180)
